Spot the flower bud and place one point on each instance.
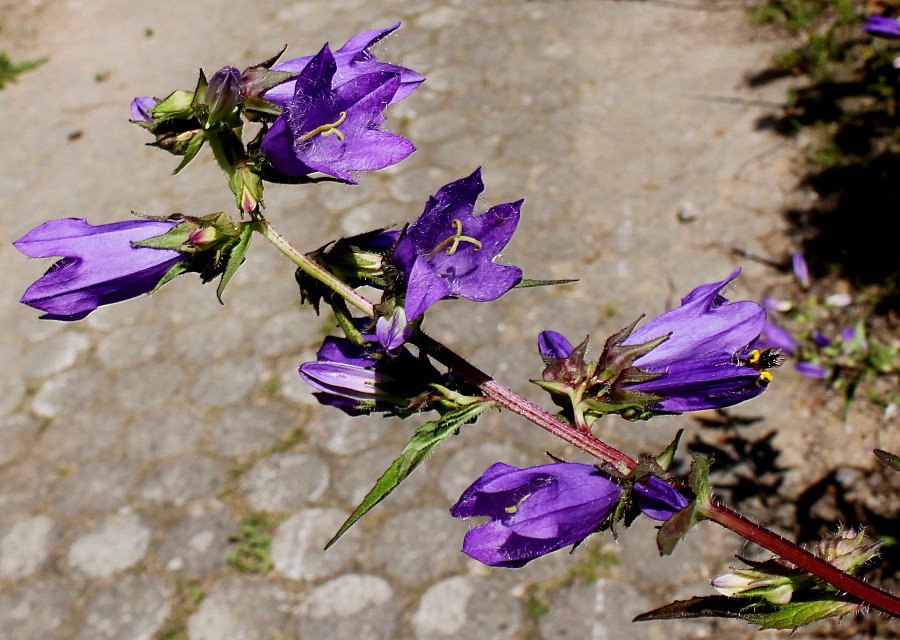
(223, 93)
(847, 550)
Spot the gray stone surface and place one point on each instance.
(133, 609)
(242, 609)
(120, 542)
(135, 442)
(26, 546)
(351, 606)
(297, 547)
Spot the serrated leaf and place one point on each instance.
(800, 614)
(542, 283)
(675, 528)
(891, 460)
(419, 447)
(235, 258)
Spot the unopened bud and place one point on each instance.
(223, 93)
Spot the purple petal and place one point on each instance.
(140, 109)
(704, 326)
(820, 339)
(778, 337)
(801, 270)
(811, 370)
(881, 27)
(553, 345)
(658, 499)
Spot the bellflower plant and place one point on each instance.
(354, 59)
(533, 511)
(335, 130)
(450, 251)
(100, 264)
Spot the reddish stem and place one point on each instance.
(881, 600)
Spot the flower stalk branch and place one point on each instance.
(312, 268)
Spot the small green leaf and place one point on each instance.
(234, 258)
(419, 447)
(523, 284)
(889, 459)
(800, 614)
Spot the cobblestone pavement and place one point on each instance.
(143, 447)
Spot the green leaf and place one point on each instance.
(889, 459)
(700, 607)
(675, 528)
(419, 447)
(234, 258)
(542, 283)
(766, 615)
(800, 614)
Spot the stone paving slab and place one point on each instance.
(134, 443)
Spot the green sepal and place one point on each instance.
(234, 257)
(191, 151)
(676, 527)
(664, 459)
(247, 188)
(176, 270)
(178, 104)
(255, 81)
(524, 284)
(423, 442)
(891, 460)
(260, 106)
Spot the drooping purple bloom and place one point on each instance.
(361, 379)
(450, 251)
(777, 337)
(335, 130)
(140, 109)
(811, 370)
(100, 264)
(704, 360)
(658, 499)
(801, 270)
(533, 511)
(354, 59)
(881, 27)
(553, 345)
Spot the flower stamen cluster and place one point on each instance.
(325, 130)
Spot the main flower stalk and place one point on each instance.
(492, 389)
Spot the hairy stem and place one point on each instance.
(312, 268)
